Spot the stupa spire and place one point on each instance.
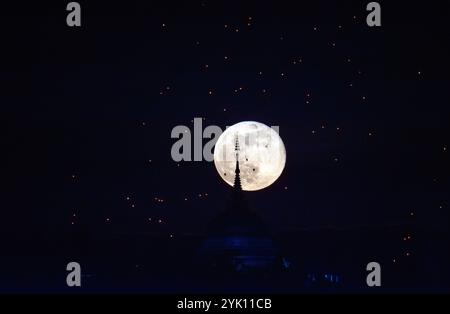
(237, 178)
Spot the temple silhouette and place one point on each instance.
(238, 240)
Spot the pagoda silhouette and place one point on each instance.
(238, 240)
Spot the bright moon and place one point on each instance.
(262, 155)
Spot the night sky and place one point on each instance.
(363, 113)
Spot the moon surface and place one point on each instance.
(262, 155)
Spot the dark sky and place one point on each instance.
(363, 112)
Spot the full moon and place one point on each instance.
(262, 155)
